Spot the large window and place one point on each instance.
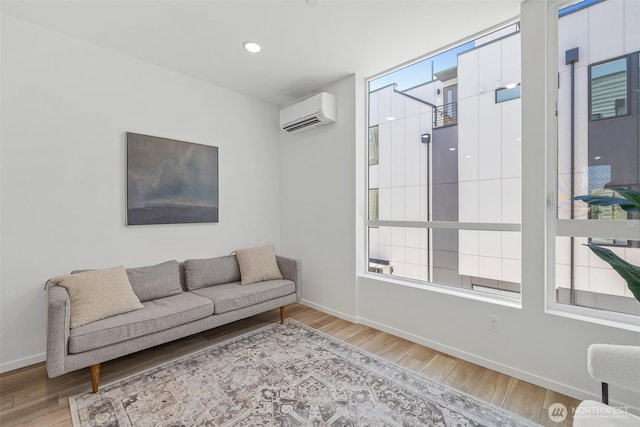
(445, 185)
(597, 159)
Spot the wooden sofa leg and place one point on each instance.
(282, 315)
(95, 377)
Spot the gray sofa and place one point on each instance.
(209, 294)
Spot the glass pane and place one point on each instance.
(373, 145)
(595, 283)
(485, 261)
(598, 173)
(507, 94)
(441, 149)
(596, 156)
(609, 89)
(399, 251)
(373, 204)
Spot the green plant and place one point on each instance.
(630, 202)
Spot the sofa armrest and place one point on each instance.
(615, 364)
(291, 269)
(58, 323)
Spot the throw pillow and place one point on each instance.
(155, 281)
(98, 294)
(258, 264)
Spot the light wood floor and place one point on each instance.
(29, 398)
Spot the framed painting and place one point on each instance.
(170, 181)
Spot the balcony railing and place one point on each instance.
(445, 115)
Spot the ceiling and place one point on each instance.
(304, 46)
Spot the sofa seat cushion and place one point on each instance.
(234, 296)
(157, 315)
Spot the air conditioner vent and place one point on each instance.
(302, 124)
(315, 111)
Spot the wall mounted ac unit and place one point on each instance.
(315, 111)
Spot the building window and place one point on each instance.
(597, 163)
(373, 145)
(373, 204)
(609, 89)
(448, 204)
(507, 93)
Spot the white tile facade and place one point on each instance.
(489, 162)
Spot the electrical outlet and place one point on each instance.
(494, 323)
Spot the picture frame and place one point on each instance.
(170, 181)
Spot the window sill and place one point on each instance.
(446, 290)
(610, 319)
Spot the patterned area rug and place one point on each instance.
(283, 375)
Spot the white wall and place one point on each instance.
(66, 106)
(319, 202)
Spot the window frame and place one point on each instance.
(555, 227)
(448, 289)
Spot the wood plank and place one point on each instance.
(317, 319)
(525, 399)
(439, 367)
(396, 349)
(362, 337)
(569, 403)
(492, 387)
(348, 331)
(464, 376)
(18, 379)
(379, 342)
(6, 403)
(60, 417)
(27, 410)
(417, 358)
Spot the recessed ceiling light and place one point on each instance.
(390, 118)
(452, 148)
(597, 157)
(252, 47)
(467, 157)
(511, 85)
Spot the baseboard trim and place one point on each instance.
(487, 363)
(322, 308)
(21, 363)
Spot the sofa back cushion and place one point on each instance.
(155, 281)
(201, 273)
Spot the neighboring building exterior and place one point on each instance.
(470, 170)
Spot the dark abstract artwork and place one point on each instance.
(170, 182)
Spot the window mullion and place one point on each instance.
(451, 225)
